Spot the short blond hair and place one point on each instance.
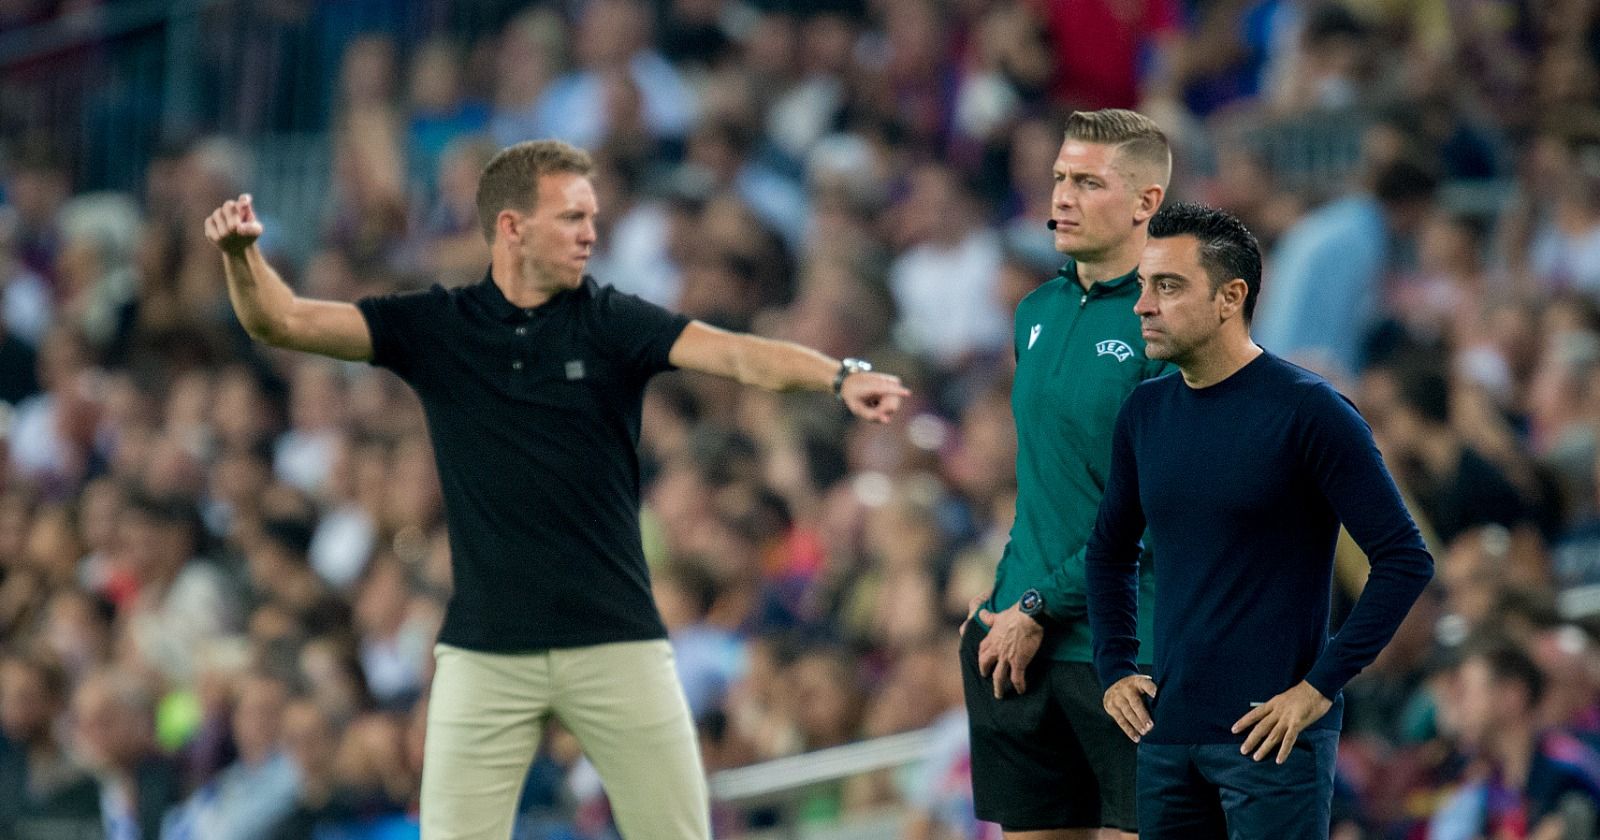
(1136, 137)
(511, 179)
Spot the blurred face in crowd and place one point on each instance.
(1095, 202)
(1485, 704)
(74, 630)
(309, 738)
(368, 73)
(435, 80)
(935, 209)
(1448, 246)
(112, 732)
(26, 702)
(258, 718)
(825, 705)
(153, 550)
(610, 32)
(1180, 314)
(557, 238)
(99, 508)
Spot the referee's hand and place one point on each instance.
(1004, 654)
(1124, 702)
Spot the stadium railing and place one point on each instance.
(781, 784)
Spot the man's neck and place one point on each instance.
(1513, 749)
(1109, 264)
(521, 287)
(1218, 360)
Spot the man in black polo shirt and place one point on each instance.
(532, 382)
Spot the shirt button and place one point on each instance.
(516, 365)
(528, 312)
(522, 330)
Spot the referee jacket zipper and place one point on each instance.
(1066, 341)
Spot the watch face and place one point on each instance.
(1031, 602)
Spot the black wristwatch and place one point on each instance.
(847, 367)
(1031, 604)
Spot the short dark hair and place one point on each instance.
(169, 510)
(1228, 250)
(512, 176)
(1423, 387)
(1402, 181)
(289, 534)
(1508, 662)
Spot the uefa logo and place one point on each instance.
(1113, 347)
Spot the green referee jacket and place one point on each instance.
(1079, 355)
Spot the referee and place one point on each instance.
(1047, 762)
(532, 382)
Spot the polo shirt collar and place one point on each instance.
(487, 294)
(1104, 287)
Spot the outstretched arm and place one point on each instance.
(269, 310)
(784, 366)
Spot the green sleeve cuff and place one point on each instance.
(1063, 591)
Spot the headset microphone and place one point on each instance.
(1051, 224)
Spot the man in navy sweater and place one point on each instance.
(1242, 466)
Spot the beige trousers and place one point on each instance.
(622, 701)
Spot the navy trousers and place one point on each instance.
(1206, 791)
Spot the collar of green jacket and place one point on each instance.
(1116, 285)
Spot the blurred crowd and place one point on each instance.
(222, 567)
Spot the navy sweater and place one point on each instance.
(1243, 485)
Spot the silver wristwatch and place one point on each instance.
(847, 367)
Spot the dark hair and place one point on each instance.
(697, 582)
(1403, 181)
(1509, 662)
(1423, 387)
(289, 534)
(1329, 21)
(1228, 250)
(169, 510)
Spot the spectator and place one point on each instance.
(1328, 270)
(440, 111)
(311, 741)
(395, 641)
(181, 600)
(41, 785)
(1544, 783)
(115, 716)
(1103, 48)
(708, 658)
(613, 36)
(939, 230)
(1454, 485)
(304, 451)
(254, 794)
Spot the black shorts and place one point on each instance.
(1051, 757)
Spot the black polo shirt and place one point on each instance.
(534, 415)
